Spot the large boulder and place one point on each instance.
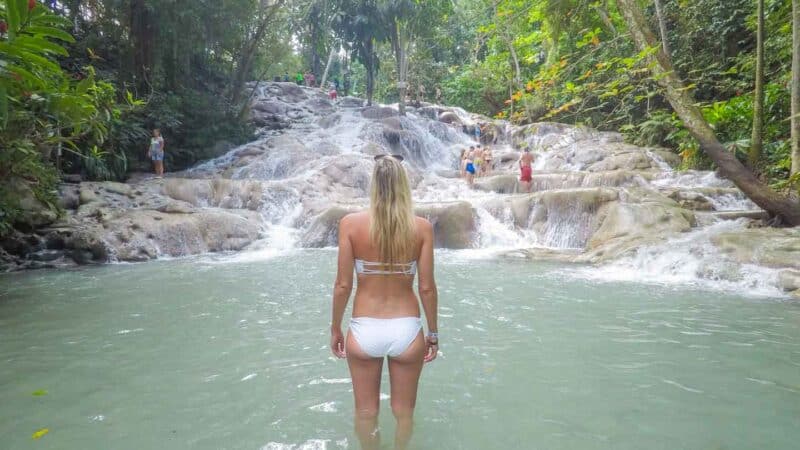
(450, 117)
(324, 229)
(625, 226)
(218, 192)
(501, 184)
(789, 280)
(378, 112)
(770, 247)
(453, 223)
(138, 235)
(33, 212)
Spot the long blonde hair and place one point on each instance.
(392, 213)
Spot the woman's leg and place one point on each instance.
(404, 372)
(365, 371)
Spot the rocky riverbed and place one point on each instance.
(595, 199)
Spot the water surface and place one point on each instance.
(231, 352)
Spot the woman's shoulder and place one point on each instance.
(423, 225)
(354, 217)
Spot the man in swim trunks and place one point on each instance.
(526, 170)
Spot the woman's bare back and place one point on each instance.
(383, 296)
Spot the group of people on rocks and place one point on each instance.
(308, 79)
(478, 161)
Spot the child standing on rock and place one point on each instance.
(156, 152)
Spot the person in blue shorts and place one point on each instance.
(469, 166)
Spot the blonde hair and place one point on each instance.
(392, 214)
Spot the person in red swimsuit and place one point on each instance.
(526, 171)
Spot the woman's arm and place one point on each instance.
(342, 287)
(427, 290)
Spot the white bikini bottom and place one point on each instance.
(385, 337)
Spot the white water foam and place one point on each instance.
(690, 259)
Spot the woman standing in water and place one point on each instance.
(386, 246)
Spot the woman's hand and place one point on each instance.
(337, 343)
(432, 351)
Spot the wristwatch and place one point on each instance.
(433, 336)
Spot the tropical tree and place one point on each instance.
(758, 105)
(795, 121)
(360, 28)
(785, 208)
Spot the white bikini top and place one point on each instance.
(376, 268)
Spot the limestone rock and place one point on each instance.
(450, 117)
(777, 248)
(378, 112)
(329, 120)
(34, 213)
(453, 223)
(501, 184)
(351, 102)
(324, 229)
(630, 219)
(87, 195)
(789, 280)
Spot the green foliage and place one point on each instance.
(43, 108)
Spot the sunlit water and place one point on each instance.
(231, 352)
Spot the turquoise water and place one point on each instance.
(231, 353)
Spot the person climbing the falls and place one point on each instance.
(462, 161)
(332, 93)
(487, 166)
(156, 152)
(526, 170)
(469, 166)
(477, 160)
(386, 246)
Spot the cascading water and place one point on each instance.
(591, 191)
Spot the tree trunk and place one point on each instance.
(142, 38)
(662, 26)
(369, 50)
(249, 51)
(327, 66)
(401, 62)
(758, 105)
(602, 11)
(795, 87)
(684, 105)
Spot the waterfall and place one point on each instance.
(622, 205)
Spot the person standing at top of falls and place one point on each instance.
(312, 80)
(420, 94)
(332, 94)
(286, 77)
(299, 79)
(526, 170)
(386, 246)
(477, 132)
(438, 94)
(156, 152)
